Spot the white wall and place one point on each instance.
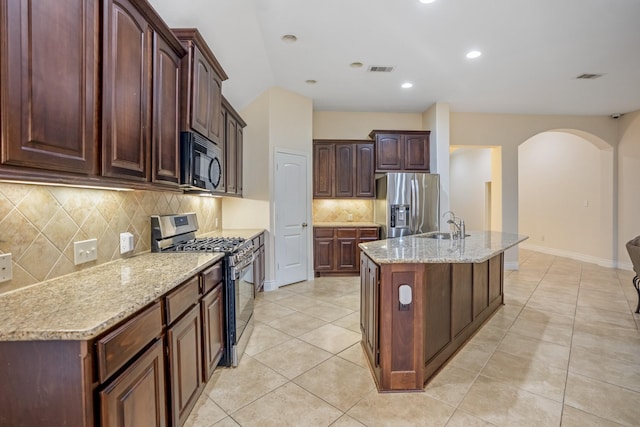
(628, 197)
(470, 169)
(350, 125)
(566, 196)
(436, 119)
(510, 130)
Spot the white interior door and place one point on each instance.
(291, 218)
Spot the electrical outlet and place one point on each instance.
(85, 251)
(6, 273)
(349, 217)
(126, 242)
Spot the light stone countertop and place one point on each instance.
(479, 246)
(345, 224)
(83, 305)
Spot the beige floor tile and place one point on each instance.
(264, 337)
(600, 367)
(615, 343)
(551, 332)
(450, 385)
(472, 357)
(505, 405)
(604, 400)
(572, 417)
(289, 405)
(528, 374)
(331, 338)
(327, 312)
(350, 321)
(273, 296)
(350, 301)
(226, 422)
(346, 421)
(355, 354)
(489, 335)
(338, 382)
(519, 345)
(205, 413)
(620, 305)
(549, 303)
(401, 409)
(296, 324)
(233, 388)
(292, 358)
(268, 311)
(604, 318)
(297, 302)
(463, 419)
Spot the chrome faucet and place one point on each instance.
(458, 223)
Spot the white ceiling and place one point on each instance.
(532, 52)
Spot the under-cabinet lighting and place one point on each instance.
(56, 184)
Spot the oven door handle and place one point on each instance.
(236, 269)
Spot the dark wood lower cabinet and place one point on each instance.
(137, 396)
(336, 251)
(185, 365)
(406, 344)
(212, 330)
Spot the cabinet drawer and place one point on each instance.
(119, 346)
(323, 232)
(256, 242)
(369, 232)
(211, 277)
(346, 233)
(182, 298)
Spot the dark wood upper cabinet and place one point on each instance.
(398, 150)
(140, 95)
(166, 118)
(126, 125)
(343, 169)
(233, 143)
(50, 84)
(201, 86)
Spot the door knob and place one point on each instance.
(304, 224)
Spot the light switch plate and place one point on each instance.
(6, 273)
(85, 251)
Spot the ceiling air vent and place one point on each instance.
(587, 76)
(380, 69)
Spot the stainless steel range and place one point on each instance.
(177, 233)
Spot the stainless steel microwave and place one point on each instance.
(201, 163)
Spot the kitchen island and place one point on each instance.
(422, 298)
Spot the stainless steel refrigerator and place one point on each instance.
(407, 203)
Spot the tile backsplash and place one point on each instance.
(338, 210)
(38, 225)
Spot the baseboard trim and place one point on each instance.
(270, 285)
(572, 255)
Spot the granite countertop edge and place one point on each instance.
(85, 304)
(478, 247)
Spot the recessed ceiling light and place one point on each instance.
(474, 54)
(311, 81)
(407, 85)
(289, 38)
(427, 1)
(356, 65)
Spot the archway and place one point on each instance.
(566, 195)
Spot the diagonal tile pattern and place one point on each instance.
(38, 225)
(562, 351)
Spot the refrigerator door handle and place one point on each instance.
(414, 206)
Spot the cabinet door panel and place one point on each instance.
(344, 167)
(231, 148)
(200, 111)
(166, 132)
(416, 152)
(480, 287)
(323, 169)
(212, 330)
(215, 105)
(137, 396)
(126, 104)
(49, 87)
(389, 152)
(365, 171)
(323, 254)
(185, 368)
(495, 277)
(346, 257)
